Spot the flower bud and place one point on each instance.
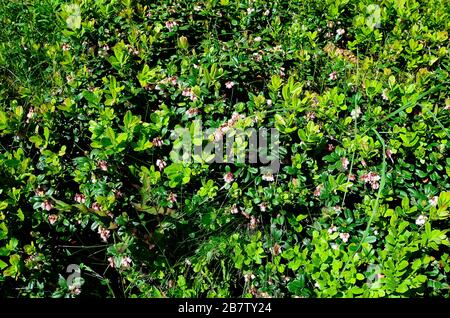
(183, 43)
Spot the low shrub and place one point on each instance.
(94, 201)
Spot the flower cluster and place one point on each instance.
(188, 92)
(228, 177)
(225, 127)
(372, 178)
(171, 24)
(104, 233)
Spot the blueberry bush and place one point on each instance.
(92, 90)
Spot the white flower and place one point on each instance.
(384, 96)
(318, 190)
(250, 10)
(191, 112)
(263, 206)
(229, 84)
(433, 201)
(248, 277)
(228, 177)
(47, 205)
(258, 39)
(30, 114)
(80, 198)
(372, 178)
(103, 165)
(234, 209)
(170, 25)
(356, 112)
(74, 289)
(104, 233)
(310, 115)
(52, 218)
(268, 176)
(257, 57)
(235, 117)
(253, 223)
(157, 142)
(421, 220)
(278, 48)
(111, 262)
(161, 164)
(345, 163)
(334, 246)
(187, 92)
(333, 76)
(172, 197)
(344, 237)
(332, 229)
(126, 262)
(340, 31)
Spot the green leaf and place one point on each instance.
(37, 140)
(403, 288)
(3, 231)
(370, 239)
(178, 174)
(444, 200)
(130, 121)
(296, 285)
(402, 265)
(3, 265)
(46, 133)
(360, 276)
(14, 260)
(416, 264)
(147, 75)
(92, 98)
(3, 205)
